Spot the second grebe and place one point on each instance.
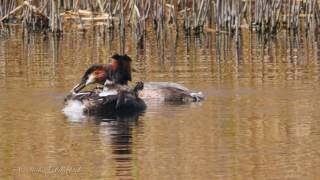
(119, 72)
(122, 100)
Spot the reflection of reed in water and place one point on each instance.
(257, 57)
(32, 66)
(60, 62)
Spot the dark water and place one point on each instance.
(260, 119)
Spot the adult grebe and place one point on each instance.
(119, 72)
(99, 101)
(115, 96)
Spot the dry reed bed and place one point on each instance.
(193, 16)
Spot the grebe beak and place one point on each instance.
(78, 87)
(91, 79)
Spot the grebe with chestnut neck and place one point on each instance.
(114, 93)
(119, 72)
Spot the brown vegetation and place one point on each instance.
(193, 16)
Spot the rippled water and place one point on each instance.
(260, 119)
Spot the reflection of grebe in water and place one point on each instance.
(114, 135)
(116, 132)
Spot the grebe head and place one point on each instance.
(120, 69)
(97, 73)
(119, 72)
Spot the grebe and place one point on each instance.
(123, 100)
(116, 73)
(115, 96)
(119, 72)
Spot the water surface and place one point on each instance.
(260, 119)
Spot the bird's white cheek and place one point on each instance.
(91, 79)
